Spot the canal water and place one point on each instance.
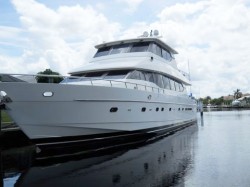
(214, 152)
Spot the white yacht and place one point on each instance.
(131, 87)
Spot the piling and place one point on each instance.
(200, 107)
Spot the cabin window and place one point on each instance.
(177, 88)
(158, 80)
(102, 51)
(181, 87)
(94, 74)
(156, 49)
(134, 75)
(137, 75)
(142, 75)
(123, 48)
(166, 82)
(149, 76)
(140, 47)
(120, 74)
(166, 55)
(172, 84)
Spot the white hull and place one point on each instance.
(76, 110)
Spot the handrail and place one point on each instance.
(93, 80)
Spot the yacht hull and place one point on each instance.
(85, 110)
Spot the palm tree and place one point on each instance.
(237, 94)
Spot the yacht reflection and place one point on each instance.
(1, 169)
(162, 163)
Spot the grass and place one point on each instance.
(5, 117)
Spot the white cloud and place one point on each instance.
(132, 5)
(213, 36)
(64, 38)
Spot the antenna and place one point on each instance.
(152, 33)
(189, 76)
(145, 34)
(189, 72)
(156, 32)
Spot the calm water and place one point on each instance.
(215, 152)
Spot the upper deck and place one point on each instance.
(153, 45)
(144, 53)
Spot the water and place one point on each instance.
(215, 152)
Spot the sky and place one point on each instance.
(212, 36)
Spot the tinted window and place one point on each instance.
(172, 84)
(156, 49)
(123, 48)
(135, 75)
(116, 74)
(166, 54)
(94, 74)
(149, 76)
(142, 75)
(181, 88)
(177, 87)
(158, 80)
(102, 51)
(166, 82)
(140, 47)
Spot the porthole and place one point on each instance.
(162, 109)
(157, 109)
(114, 109)
(179, 109)
(48, 94)
(143, 109)
(170, 109)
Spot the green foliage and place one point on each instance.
(216, 101)
(5, 117)
(206, 100)
(48, 79)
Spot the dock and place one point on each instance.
(10, 134)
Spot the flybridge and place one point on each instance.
(146, 37)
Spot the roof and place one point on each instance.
(149, 39)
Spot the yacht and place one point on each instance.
(130, 88)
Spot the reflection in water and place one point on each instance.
(1, 169)
(162, 163)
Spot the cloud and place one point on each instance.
(132, 5)
(213, 35)
(64, 38)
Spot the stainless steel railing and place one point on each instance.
(88, 81)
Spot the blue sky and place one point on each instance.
(213, 35)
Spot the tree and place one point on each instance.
(44, 79)
(206, 100)
(237, 94)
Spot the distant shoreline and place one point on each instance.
(207, 109)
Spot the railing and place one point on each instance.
(86, 81)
